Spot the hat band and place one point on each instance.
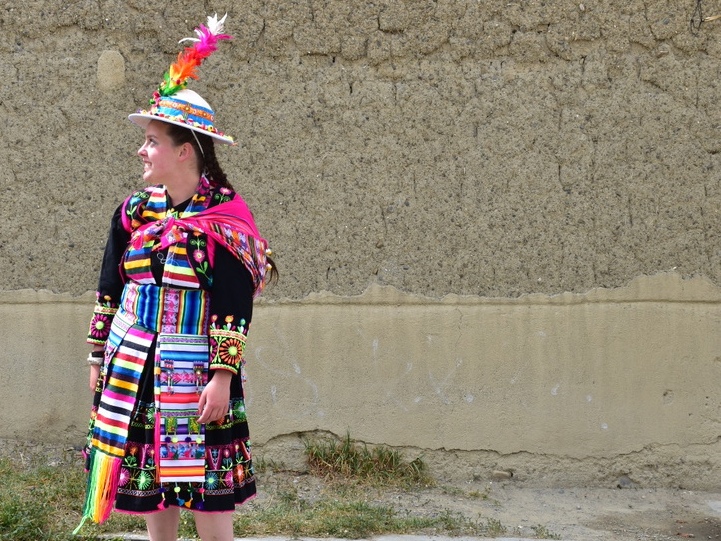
(191, 114)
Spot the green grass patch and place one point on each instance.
(378, 465)
(36, 499)
(541, 532)
(294, 516)
(41, 499)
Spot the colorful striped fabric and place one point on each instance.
(128, 346)
(121, 386)
(179, 318)
(181, 372)
(176, 311)
(220, 215)
(180, 439)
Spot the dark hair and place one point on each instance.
(209, 165)
(206, 153)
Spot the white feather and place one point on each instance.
(216, 26)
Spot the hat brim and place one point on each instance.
(143, 119)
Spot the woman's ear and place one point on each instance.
(186, 151)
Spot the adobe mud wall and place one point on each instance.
(494, 150)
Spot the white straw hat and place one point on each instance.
(185, 108)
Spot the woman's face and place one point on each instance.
(159, 154)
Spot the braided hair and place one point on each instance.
(208, 165)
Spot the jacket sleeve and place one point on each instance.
(110, 283)
(231, 309)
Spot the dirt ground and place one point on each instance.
(572, 514)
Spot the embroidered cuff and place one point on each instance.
(102, 318)
(227, 344)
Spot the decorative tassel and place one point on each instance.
(162, 504)
(103, 479)
(180, 501)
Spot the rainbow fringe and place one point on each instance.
(103, 478)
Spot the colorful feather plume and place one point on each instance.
(206, 42)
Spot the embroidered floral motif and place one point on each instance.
(211, 481)
(124, 477)
(228, 467)
(103, 315)
(145, 480)
(134, 206)
(230, 351)
(198, 244)
(227, 344)
(98, 326)
(223, 195)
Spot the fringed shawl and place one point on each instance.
(229, 223)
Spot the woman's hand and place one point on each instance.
(215, 398)
(94, 375)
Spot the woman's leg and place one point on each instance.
(214, 526)
(163, 525)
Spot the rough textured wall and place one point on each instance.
(492, 148)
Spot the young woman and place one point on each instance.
(182, 265)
